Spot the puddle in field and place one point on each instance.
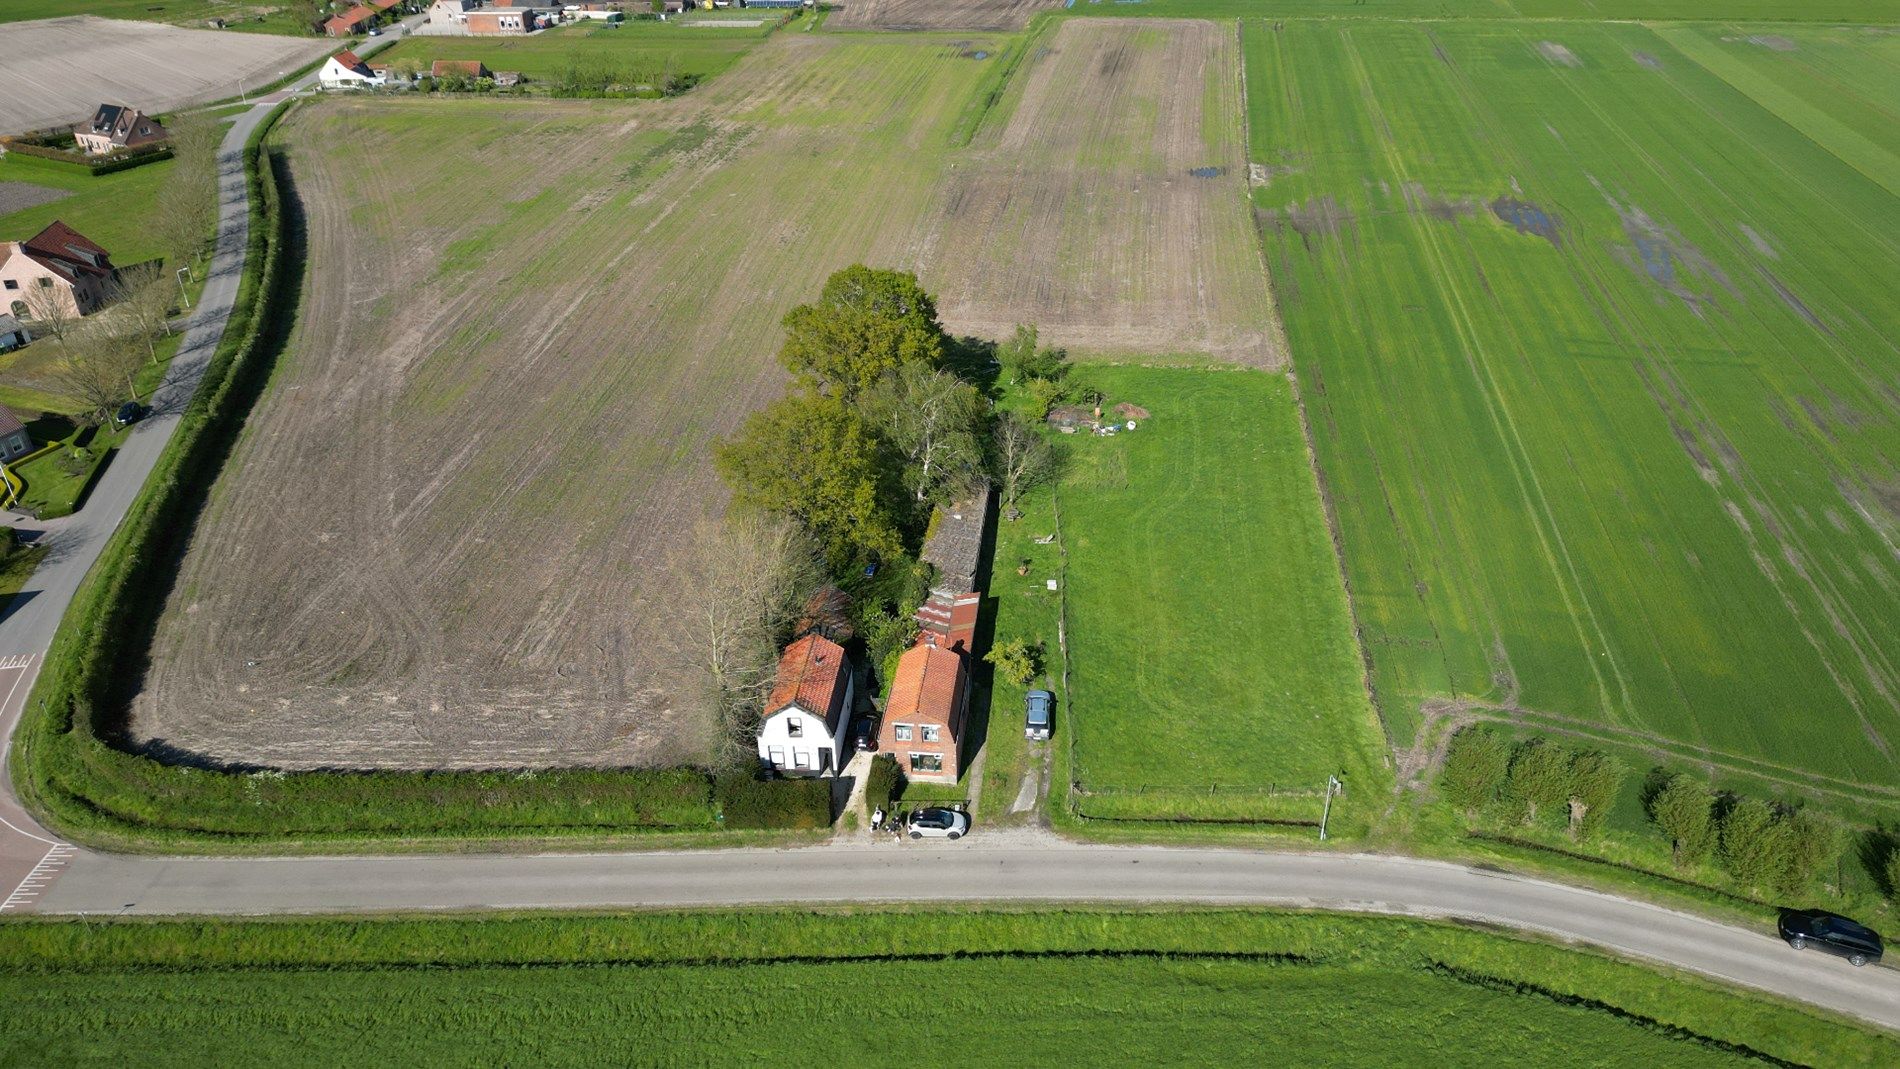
(1761, 243)
(1263, 174)
(1558, 54)
(1207, 172)
(1773, 42)
(1660, 251)
(1526, 218)
(1419, 201)
(1320, 216)
(1644, 59)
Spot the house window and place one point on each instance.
(901, 731)
(930, 733)
(12, 285)
(45, 283)
(776, 754)
(802, 758)
(795, 728)
(926, 762)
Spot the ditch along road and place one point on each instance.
(32, 858)
(41, 873)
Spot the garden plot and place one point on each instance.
(57, 71)
(1110, 208)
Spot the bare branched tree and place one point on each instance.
(141, 300)
(188, 200)
(743, 582)
(98, 370)
(49, 308)
(1020, 458)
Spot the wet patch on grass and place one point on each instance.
(1558, 54)
(1526, 218)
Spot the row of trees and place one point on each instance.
(102, 354)
(1758, 842)
(1531, 780)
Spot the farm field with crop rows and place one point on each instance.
(447, 537)
(1215, 671)
(1596, 352)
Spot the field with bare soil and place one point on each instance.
(58, 70)
(936, 14)
(1110, 206)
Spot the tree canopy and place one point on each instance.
(865, 324)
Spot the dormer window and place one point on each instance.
(794, 727)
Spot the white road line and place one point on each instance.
(41, 877)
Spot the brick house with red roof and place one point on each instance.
(352, 22)
(58, 264)
(923, 720)
(808, 712)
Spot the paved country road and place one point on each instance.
(39, 872)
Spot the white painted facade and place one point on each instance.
(336, 75)
(796, 740)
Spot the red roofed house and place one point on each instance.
(354, 21)
(459, 68)
(346, 71)
(923, 721)
(57, 264)
(809, 710)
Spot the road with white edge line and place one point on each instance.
(40, 873)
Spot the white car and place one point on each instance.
(936, 823)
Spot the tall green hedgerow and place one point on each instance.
(1475, 768)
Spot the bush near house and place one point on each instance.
(746, 801)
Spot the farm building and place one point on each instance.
(955, 547)
(115, 126)
(354, 21)
(504, 21)
(12, 333)
(507, 79)
(345, 71)
(56, 271)
(14, 441)
(809, 710)
(458, 68)
(923, 721)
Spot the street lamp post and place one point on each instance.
(183, 272)
(1333, 786)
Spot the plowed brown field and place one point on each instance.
(936, 14)
(443, 540)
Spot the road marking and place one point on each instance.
(49, 869)
(18, 660)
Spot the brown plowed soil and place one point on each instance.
(936, 14)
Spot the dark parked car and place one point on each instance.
(1036, 707)
(1837, 935)
(863, 730)
(130, 412)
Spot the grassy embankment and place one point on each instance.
(1604, 432)
(710, 987)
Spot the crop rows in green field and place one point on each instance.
(1597, 353)
(1209, 637)
(647, 48)
(1869, 12)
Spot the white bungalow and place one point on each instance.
(808, 714)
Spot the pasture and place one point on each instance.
(446, 537)
(1209, 638)
(643, 50)
(58, 70)
(722, 987)
(1593, 345)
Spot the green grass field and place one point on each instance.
(1591, 343)
(1209, 637)
(110, 209)
(1869, 12)
(946, 987)
(634, 46)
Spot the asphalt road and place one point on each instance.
(41, 873)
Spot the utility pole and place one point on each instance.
(183, 273)
(1333, 786)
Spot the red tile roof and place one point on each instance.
(68, 252)
(349, 59)
(470, 68)
(383, 5)
(9, 422)
(349, 20)
(812, 675)
(928, 687)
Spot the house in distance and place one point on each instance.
(116, 126)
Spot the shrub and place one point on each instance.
(1809, 840)
(1893, 874)
(1015, 660)
(1752, 847)
(746, 801)
(1684, 810)
(883, 785)
(1539, 778)
(1594, 781)
(1475, 768)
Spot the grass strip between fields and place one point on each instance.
(1247, 968)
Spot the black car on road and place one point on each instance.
(1837, 935)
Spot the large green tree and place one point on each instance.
(866, 323)
(935, 421)
(1685, 810)
(811, 457)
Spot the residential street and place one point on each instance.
(38, 873)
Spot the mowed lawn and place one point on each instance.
(1598, 355)
(1210, 643)
(112, 209)
(634, 48)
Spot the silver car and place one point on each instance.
(938, 823)
(1036, 707)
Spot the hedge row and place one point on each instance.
(784, 804)
(120, 160)
(64, 760)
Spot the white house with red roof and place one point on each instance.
(808, 713)
(57, 269)
(345, 71)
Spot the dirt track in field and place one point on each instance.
(1111, 209)
(444, 540)
(55, 71)
(936, 14)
